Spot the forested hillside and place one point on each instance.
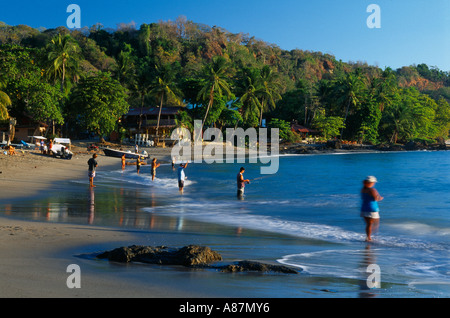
(89, 78)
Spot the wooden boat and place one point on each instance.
(119, 153)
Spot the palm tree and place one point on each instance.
(248, 86)
(165, 87)
(384, 88)
(268, 91)
(349, 90)
(214, 82)
(5, 101)
(400, 119)
(141, 87)
(63, 55)
(125, 69)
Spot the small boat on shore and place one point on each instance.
(119, 153)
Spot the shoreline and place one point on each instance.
(337, 147)
(30, 173)
(38, 252)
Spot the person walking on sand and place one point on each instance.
(154, 166)
(241, 182)
(123, 162)
(92, 167)
(369, 207)
(181, 176)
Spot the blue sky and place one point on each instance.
(412, 32)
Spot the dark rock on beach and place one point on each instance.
(187, 256)
(190, 256)
(389, 147)
(412, 145)
(245, 266)
(335, 146)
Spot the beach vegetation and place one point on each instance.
(5, 102)
(24, 83)
(225, 79)
(285, 131)
(165, 88)
(97, 103)
(330, 126)
(214, 84)
(63, 55)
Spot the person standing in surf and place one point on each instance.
(369, 206)
(123, 161)
(241, 183)
(138, 164)
(92, 166)
(154, 166)
(181, 176)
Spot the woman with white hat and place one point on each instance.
(369, 207)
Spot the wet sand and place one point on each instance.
(35, 255)
(30, 173)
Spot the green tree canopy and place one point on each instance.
(98, 102)
(214, 81)
(330, 126)
(221, 73)
(5, 101)
(63, 55)
(164, 87)
(28, 90)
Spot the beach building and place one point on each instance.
(304, 131)
(22, 127)
(142, 123)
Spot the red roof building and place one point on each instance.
(303, 131)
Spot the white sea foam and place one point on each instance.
(352, 263)
(142, 179)
(327, 262)
(234, 214)
(421, 229)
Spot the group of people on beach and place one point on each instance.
(139, 162)
(92, 163)
(45, 148)
(369, 195)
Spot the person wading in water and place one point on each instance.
(369, 207)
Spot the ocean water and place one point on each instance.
(305, 216)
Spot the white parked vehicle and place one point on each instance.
(61, 147)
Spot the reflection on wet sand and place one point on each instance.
(91, 205)
(120, 207)
(370, 276)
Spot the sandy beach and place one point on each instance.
(35, 258)
(35, 255)
(29, 172)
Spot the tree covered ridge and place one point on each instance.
(226, 79)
